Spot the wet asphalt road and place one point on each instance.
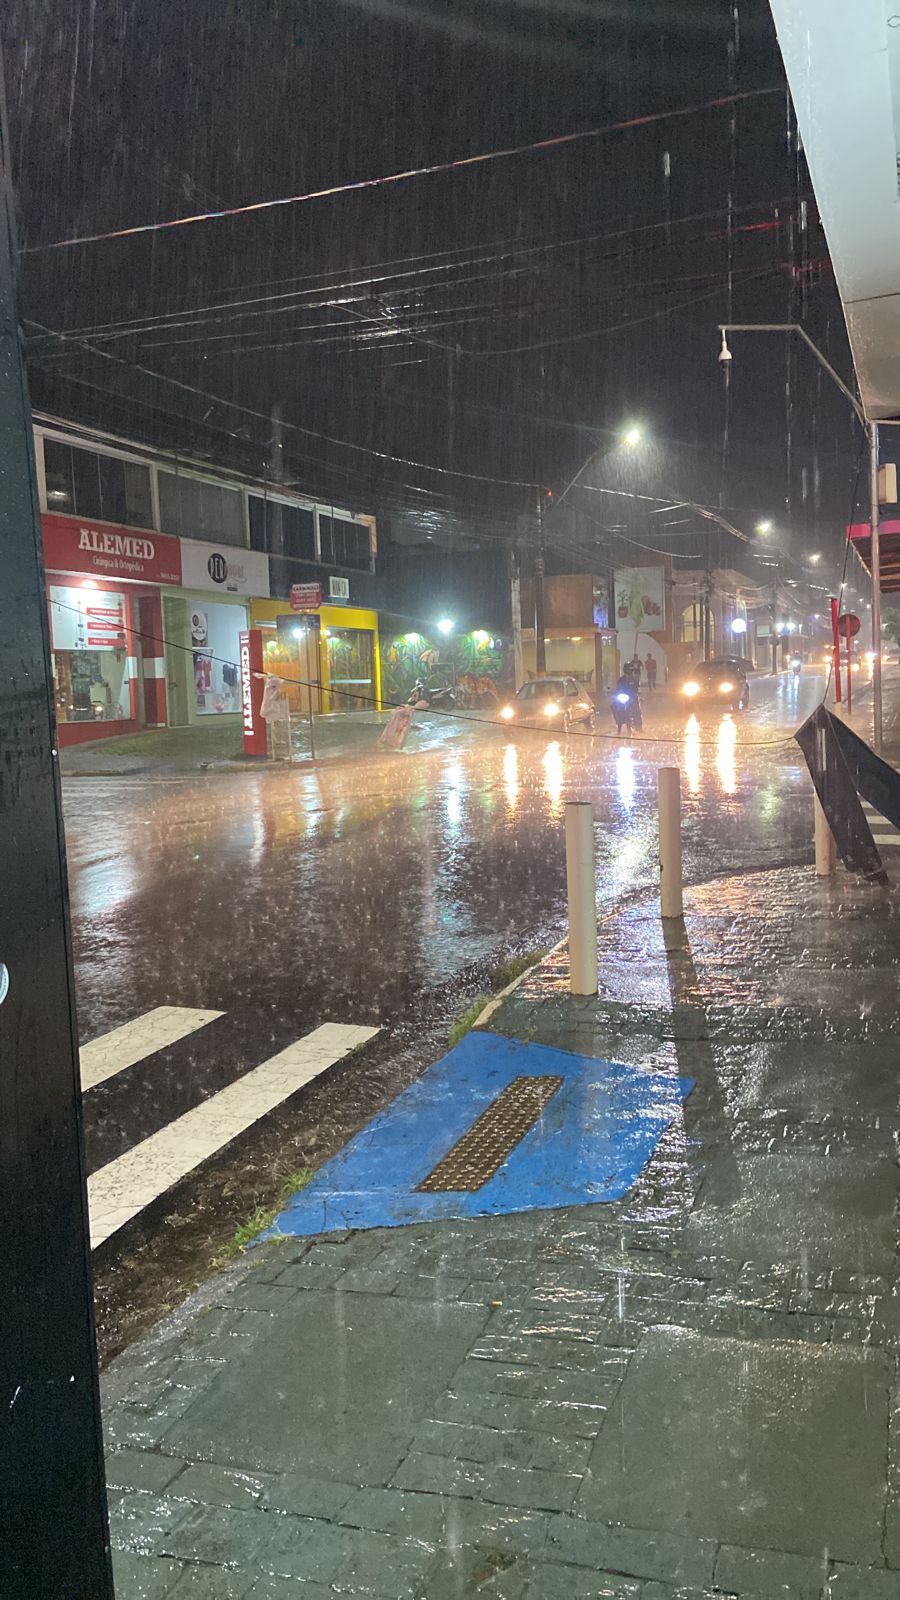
(380, 891)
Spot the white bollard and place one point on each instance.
(826, 852)
(671, 899)
(582, 897)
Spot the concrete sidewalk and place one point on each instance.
(339, 736)
(690, 1390)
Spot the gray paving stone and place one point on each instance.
(221, 1486)
(736, 1441)
(770, 1572)
(255, 1296)
(472, 1443)
(295, 1548)
(144, 1577)
(371, 1368)
(213, 1583)
(304, 1496)
(576, 1540)
(141, 1469)
(664, 1556)
(429, 1474)
(410, 1516)
(368, 1280)
(547, 1582)
(862, 1583)
(560, 1455)
(224, 1536)
(289, 1589)
(534, 1489)
(382, 1565)
(505, 1411)
(141, 1522)
(839, 1210)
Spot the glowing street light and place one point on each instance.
(764, 527)
(445, 625)
(633, 437)
(814, 557)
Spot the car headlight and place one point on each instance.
(507, 713)
(690, 689)
(726, 688)
(551, 709)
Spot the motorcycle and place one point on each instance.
(796, 665)
(424, 698)
(626, 709)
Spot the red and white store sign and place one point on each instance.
(72, 545)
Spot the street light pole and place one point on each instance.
(872, 434)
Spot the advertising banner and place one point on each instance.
(224, 568)
(640, 596)
(255, 736)
(71, 545)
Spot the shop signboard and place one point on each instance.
(224, 569)
(252, 685)
(339, 589)
(306, 596)
(106, 551)
(640, 599)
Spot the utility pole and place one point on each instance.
(276, 470)
(774, 620)
(55, 1539)
(540, 642)
(515, 598)
(874, 513)
(707, 586)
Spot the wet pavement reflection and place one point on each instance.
(362, 885)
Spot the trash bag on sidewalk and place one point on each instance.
(396, 728)
(275, 706)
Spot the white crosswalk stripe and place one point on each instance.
(886, 836)
(124, 1187)
(123, 1047)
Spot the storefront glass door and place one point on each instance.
(351, 669)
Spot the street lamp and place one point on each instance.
(871, 429)
(814, 558)
(764, 527)
(445, 625)
(633, 437)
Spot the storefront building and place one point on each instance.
(203, 620)
(106, 625)
(348, 675)
(144, 628)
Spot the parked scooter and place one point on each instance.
(626, 706)
(423, 698)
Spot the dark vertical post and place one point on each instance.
(54, 1539)
(540, 640)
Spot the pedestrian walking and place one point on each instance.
(650, 669)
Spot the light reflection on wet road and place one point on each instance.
(356, 887)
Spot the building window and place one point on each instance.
(282, 529)
(345, 543)
(92, 670)
(103, 488)
(195, 509)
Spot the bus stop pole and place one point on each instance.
(55, 1538)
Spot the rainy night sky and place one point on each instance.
(496, 322)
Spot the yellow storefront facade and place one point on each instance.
(346, 667)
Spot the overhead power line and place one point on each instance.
(432, 170)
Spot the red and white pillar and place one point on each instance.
(150, 627)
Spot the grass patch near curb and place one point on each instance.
(467, 1021)
(512, 969)
(500, 979)
(263, 1216)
